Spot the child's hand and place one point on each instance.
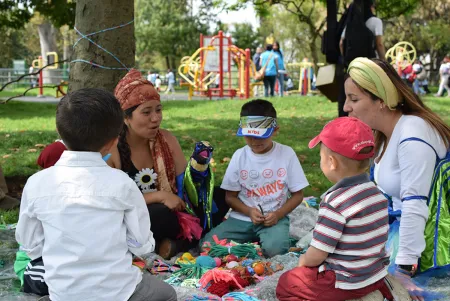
(173, 202)
(256, 216)
(270, 219)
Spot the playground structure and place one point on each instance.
(52, 61)
(401, 55)
(306, 77)
(208, 71)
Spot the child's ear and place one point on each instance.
(275, 131)
(333, 162)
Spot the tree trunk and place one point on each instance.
(67, 49)
(167, 62)
(92, 16)
(313, 45)
(173, 64)
(48, 44)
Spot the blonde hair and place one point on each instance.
(410, 104)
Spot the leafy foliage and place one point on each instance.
(16, 13)
(167, 28)
(244, 36)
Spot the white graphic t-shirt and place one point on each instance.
(265, 179)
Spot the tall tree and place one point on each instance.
(427, 28)
(17, 13)
(244, 36)
(47, 40)
(167, 28)
(312, 13)
(94, 16)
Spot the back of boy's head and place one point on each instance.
(258, 107)
(87, 119)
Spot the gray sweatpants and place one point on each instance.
(153, 289)
(149, 289)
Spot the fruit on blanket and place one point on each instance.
(258, 268)
(218, 261)
(231, 257)
(232, 264)
(186, 258)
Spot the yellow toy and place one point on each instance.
(401, 55)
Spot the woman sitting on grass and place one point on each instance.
(409, 140)
(153, 158)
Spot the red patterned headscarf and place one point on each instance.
(133, 90)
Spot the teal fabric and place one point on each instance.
(274, 240)
(271, 69)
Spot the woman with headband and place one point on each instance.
(408, 139)
(153, 158)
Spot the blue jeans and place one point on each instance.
(274, 240)
(417, 88)
(280, 78)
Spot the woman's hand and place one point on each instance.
(173, 202)
(415, 292)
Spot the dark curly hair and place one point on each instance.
(122, 146)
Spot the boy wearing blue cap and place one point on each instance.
(264, 182)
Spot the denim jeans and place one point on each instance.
(274, 240)
(280, 78)
(417, 88)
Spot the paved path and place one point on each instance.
(54, 100)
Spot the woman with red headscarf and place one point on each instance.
(153, 158)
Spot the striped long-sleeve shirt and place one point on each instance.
(353, 228)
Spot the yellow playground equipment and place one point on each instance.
(208, 71)
(306, 76)
(401, 55)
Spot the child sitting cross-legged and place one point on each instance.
(82, 220)
(263, 183)
(346, 259)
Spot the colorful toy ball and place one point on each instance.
(258, 268)
(206, 261)
(218, 261)
(231, 257)
(232, 264)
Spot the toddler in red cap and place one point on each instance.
(346, 258)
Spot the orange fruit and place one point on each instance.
(259, 269)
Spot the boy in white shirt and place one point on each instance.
(263, 183)
(84, 218)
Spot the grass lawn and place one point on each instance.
(34, 92)
(26, 127)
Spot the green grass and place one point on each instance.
(23, 126)
(34, 92)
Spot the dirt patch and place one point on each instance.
(15, 185)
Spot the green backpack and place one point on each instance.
(437, 228)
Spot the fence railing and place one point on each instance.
(50, 76)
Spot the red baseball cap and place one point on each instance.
(346, 136)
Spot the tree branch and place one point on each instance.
(28, 74)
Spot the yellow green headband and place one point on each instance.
(372, 77)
